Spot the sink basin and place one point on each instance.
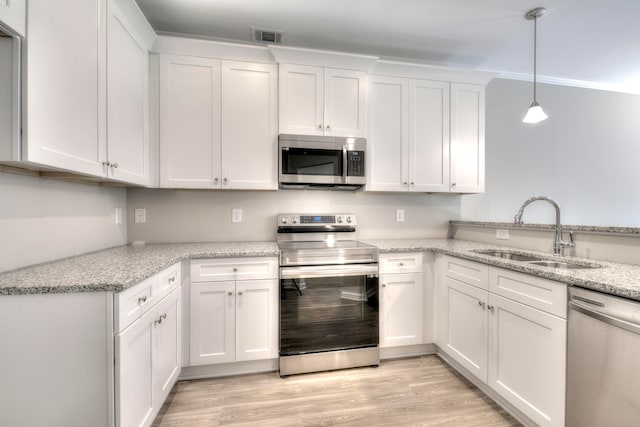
(534, 260)
(562, 265)
(507, 255)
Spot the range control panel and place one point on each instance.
(315, 220)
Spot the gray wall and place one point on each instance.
(586, 156)
(42, 220)
(184, 216)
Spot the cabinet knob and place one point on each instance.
(453, 184)
(172, 279)
(401, 264)
(107, 164)
(384, 285)
(412, 183)
(490, 307)
(142, 299)
(114, 165)
(328, 127)
(225, 180)
(240, 293)
(230, 293)
(404, 183)
(319, 127)
(216, 179)
(235, 270)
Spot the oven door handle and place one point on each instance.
(328, 271)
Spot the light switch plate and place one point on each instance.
(502, 234)
(140, 215)
(236, 215)
(399, 215)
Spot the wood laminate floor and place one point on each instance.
(421, 391)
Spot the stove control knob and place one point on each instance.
(349, 220)
(339, 220)
(294, 220)
(284, 220)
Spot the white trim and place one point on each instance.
(389, 353)
(431, 72)
(561, 81)
(211, 49)
(322, 58)
(228, 369)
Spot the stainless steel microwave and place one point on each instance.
(321, 162)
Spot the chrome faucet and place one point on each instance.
(558, 243)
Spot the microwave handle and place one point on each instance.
(345, 166)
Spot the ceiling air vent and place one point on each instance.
(263, 35)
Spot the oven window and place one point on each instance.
(305, 161)
(325, 314)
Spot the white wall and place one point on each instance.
(196, 216)
(43, 220)
(586, 156)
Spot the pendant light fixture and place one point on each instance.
(535, 113)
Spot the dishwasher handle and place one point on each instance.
(614, 321)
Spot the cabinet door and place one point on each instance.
(465, 328)
(12, 14)
(527, 354)
(249, 126)
(428, 136)
(127, 86)
(212, 322)
(467, 138)
(300, 100)
(257, 319)
(388, 141)
(189, 122)
(134, 374)
(167, 350)
(65, 85)
(401, 309)
(345, 103)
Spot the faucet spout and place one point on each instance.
(558, 243)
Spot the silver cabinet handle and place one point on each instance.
(142, 299)
(172, 279)
(490, 307)
(480, 303)
(114, 165)
(107, 164)
(160, 319)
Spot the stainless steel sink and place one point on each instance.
(535, 260)
(562, 265)
(507, 255)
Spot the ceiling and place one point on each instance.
(591, 43)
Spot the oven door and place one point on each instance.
(328, 308)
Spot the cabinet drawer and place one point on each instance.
(135, 301)
(469, 272)
(168, 280)
(206, 270)
(401, 263)
(543, 294)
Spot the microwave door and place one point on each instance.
(312, 165)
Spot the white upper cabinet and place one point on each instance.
(127, 94)
(322, 101)
(218, 125)
(12, 15)
(467, 138)
(65, 85)
(408, 146)
(249, 126)
(86, 89)
(190, 137)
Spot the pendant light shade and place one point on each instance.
(535, 113)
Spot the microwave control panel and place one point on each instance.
(355, 163)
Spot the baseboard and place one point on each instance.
(512, 410)
(228, 369)
(389, 353)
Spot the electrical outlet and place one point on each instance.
(236, 215)
(140, 215)
(399, 215)
(118, 215)
(502, 234)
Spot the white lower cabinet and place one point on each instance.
(233, 320)
(401, 300)
(148, 354)
(516, 348)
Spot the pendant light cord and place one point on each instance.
(535, 38)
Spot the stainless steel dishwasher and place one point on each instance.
(603, 360)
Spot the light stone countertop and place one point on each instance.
(118, 268)
(612, 278)
(121, 267)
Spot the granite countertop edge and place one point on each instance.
(118, 268)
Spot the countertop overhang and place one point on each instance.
(116, 269)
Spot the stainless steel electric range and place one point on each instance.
(328, 294)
